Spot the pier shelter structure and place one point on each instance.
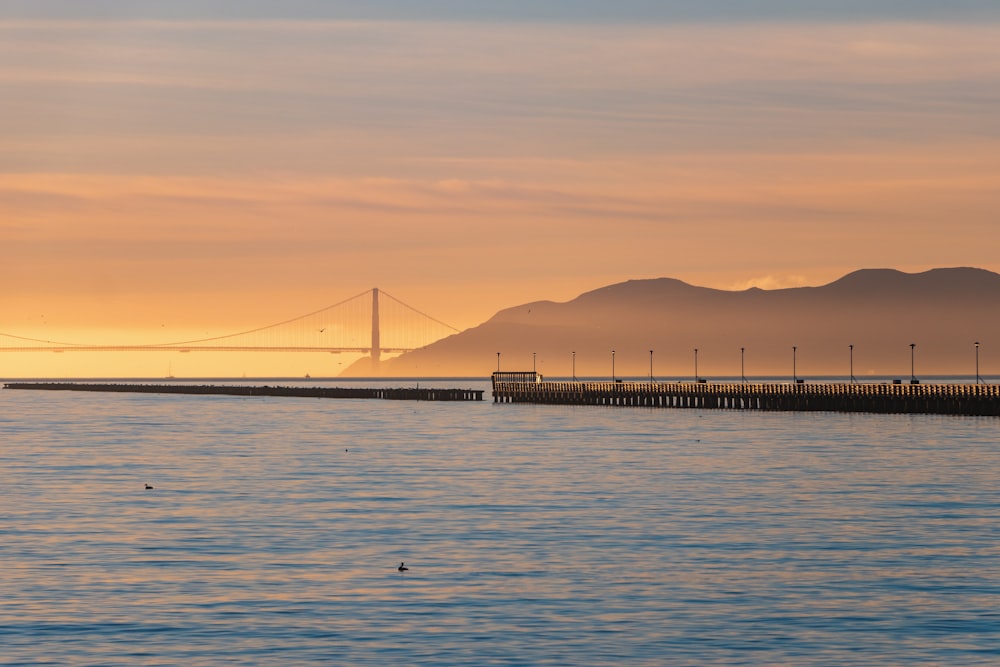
(957, 399)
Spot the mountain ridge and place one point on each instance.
(943, 311)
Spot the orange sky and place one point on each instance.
(187, 177)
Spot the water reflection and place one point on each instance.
(534, 534)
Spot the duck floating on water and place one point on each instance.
(402, 567)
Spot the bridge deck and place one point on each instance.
(959, 399)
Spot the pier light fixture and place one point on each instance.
(574, 366)
(651, 366)
(696, 364)
(743, 375)
(978, 378)
(498, 362)
(851, 348)
(534, 364)
(795, 375)
(913, 376)
(612, 365)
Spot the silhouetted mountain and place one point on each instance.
(879, 311)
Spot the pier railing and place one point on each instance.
(970, 399)
(517, 376)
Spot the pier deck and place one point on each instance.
(956, 399)
(387, 393)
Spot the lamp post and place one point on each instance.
(913, 377)
(743, 376)
(612, 365)
(534, 365)
(498, 362)
(795, 375)
(574, 366)
(695, 364)
(651, 366)
(851, 347)
(978, 379)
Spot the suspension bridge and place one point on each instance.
(373, 323)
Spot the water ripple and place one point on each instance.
(535, 535)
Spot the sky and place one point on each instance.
(186, 168)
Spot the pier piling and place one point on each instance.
(958, 399)
(385, 393)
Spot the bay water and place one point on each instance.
(534, 535)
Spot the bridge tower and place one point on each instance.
(376, 342)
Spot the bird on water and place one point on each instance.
(148, 486)
(402, 567)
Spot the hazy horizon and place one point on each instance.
(946, 310)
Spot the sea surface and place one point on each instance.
(534, 535)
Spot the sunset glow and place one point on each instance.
(163, 176)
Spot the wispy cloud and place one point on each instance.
(770, 282)
(511, 10)
(292, 155)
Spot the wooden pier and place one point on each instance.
(386, 393)
(949, 399)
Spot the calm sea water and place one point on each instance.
(535, 535)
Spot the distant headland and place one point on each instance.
(878, 321)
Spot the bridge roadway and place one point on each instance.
(956, 399)
(198, 348)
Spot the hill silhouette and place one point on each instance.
(879, 311)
